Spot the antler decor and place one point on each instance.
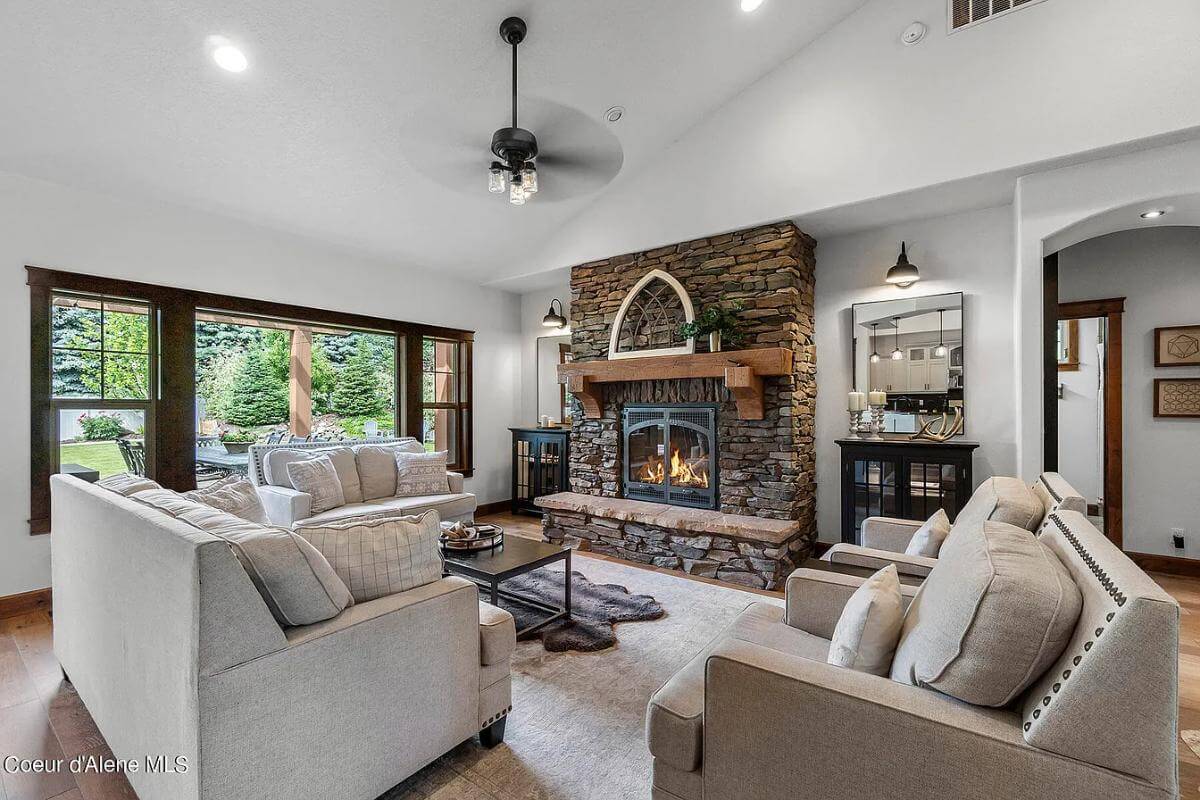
(941, 433)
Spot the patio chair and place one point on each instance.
(133, 451)
(276, 437)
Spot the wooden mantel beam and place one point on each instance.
(742, 370)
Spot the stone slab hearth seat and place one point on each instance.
(751, 551)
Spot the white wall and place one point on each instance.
(534, 305)
(1158, 272)
(971, 253)
(1049, 203)
(857, 115)
(1079, 452)
(46, 225)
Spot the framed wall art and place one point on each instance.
(1178, 346)
(1177, 398)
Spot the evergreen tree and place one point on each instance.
(258, 397)
(358, 392)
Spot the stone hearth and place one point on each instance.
(750, 551)
(767, 466)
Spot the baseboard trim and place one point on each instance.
(1171, 565)
(16, 604)
(498, 507)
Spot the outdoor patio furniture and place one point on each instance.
(134, 453)
(276, 437)
(206, 471)
(215, 458)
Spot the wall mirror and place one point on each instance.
(553, 400)
(911, 348)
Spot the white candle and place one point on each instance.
(878, 398)
(857, 401)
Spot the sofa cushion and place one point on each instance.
(317, 478)
(295, 580)
(927, 541)
(378, 556)
(448, 506)
(421, 474)
(994, 613)
(497, 635)
(867, 631)
(171, 503)
(275, 463)
(235, 495)
(376, 470)
(675, 717)
(127, 483)
(1001, 500)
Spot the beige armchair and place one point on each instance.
(884, 539)
(759, 715)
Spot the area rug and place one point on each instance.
(595, 608)
(577, 728)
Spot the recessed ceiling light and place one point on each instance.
(751, 5)
(1155, 214)
(227, 55)
(615, 113)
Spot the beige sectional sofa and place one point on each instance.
(760, 715)
(374, 471)
(174, 651)
(884, 539)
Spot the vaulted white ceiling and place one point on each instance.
(324, 134)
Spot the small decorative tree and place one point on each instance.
(358, 392)
(257, 396)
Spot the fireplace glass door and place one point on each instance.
(670, 454)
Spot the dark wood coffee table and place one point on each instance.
(855, 570)
(517, 556)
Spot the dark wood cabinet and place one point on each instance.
(902, 478)
(539, 465)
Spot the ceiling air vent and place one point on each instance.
(968, 12)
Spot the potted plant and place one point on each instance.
(237, 442)
(719, 322)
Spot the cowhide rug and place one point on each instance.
(595, 608)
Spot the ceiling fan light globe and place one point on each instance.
(516, 194)
(529, 179)
(496, 181)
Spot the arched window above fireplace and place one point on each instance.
(648, 321)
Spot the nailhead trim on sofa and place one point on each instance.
(496, 717)
(1109, 586)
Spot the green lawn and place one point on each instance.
(103, 456)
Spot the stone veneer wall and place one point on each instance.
(767, 467)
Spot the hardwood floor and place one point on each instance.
(42, 717)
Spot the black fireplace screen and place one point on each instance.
(671, 454)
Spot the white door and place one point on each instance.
(918, 369)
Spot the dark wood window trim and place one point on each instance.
(415, 405)
(173, 385)
(1071, 362)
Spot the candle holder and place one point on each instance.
(876, 424)
(858, 428)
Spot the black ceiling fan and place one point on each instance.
(514, 146)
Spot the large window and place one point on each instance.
(100, 367)
(136, 377)
(446, 398)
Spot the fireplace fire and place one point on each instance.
(671, 454)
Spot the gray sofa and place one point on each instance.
(759, 715)
(884, 539)
(285, 506)
(174, 651)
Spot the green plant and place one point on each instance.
(256, 397)
(101, 426)
(359, 392)
(713, 319)
(238, 436)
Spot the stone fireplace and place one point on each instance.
(755, 517)
(671, 454)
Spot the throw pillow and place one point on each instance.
(380, 555)
(235, 495)
(869, 627)
(317, 477)
(275, 461)
(127, 483)
(992, 616)
(421, 474)
(376, 470)
(927, 541)
(296, 582)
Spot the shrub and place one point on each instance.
(101, 426)
(257, 397)
(238, 436)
